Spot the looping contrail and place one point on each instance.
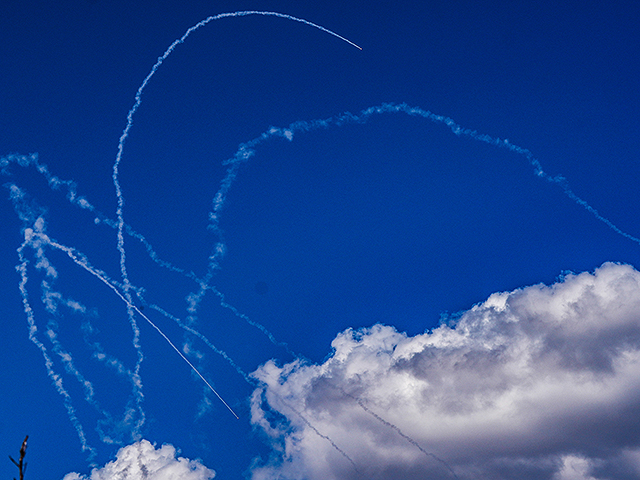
(116, 167)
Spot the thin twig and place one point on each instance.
(22, 466)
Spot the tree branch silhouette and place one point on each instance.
(22, 465)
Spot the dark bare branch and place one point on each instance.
(22, 466)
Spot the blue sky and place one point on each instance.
(388, 224)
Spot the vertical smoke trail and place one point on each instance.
(52, 300)
(245, 152)
(55, 378)
(66, 358)
(138, 97)
(37, 240)
(55, 183)
(28, 216)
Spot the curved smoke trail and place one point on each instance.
(37, 239)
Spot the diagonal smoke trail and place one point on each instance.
(81, 261)
(53, 300)
(205, 340)
(248, 149)
(504, 143)
(258, 394)
(399, 432)
(253, 323)
(55, 183)
(184, 358)
(327, 438)
(244, 152)
(37, 239)
(34, 237)
(251, 381)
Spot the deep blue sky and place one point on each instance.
(394, 221)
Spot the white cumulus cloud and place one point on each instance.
(540, 383)
(142, 460)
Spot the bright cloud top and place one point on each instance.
(542, 382)
(142, 460)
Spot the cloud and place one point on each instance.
(539, 383)
(141, 460)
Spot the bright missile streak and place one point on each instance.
(181, 354)
(282, 15)
(82, 263)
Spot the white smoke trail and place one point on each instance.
(205, 340)
(116, 166)
(193, 299)
(52, 300)
(81, 261)
(36, 239)
(504, 143)
(253, 323)
(56, 379)
(245, 152)
(107, 419)
(55, 183)
(185, 359)
(248, 149)
(250, 380)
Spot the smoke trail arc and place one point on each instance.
(196, 297)
(126, 289)
(248, 149)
